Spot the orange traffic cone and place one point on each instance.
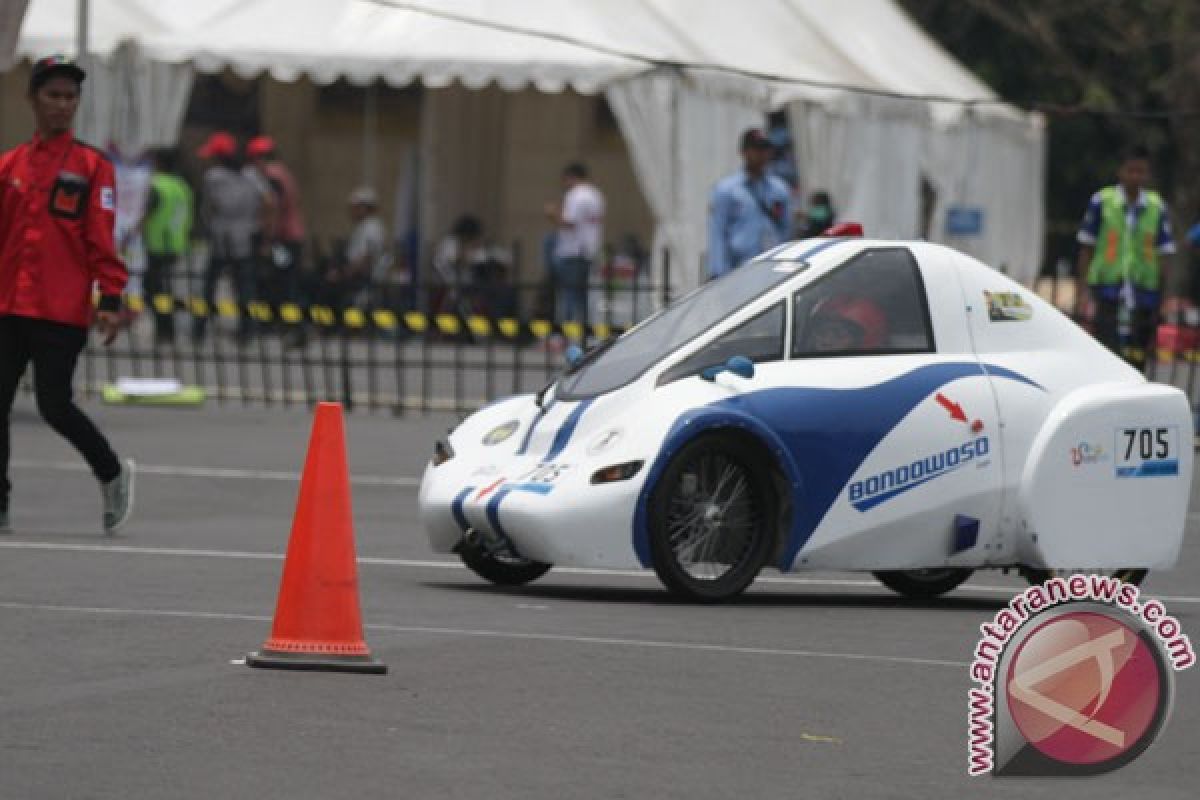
(318, 624)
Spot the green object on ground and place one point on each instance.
(186, 396)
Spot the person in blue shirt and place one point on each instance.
(750, 211)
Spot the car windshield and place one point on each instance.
(679, 323)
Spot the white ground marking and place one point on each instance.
(518, 635)
(176, 471)
(411, 563)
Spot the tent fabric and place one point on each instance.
(134, 104)
(583, 44)
(709, 125)
(678, 156)
(999, 170)
(645, 111)
(359, 40)
(874, 154)
(866, 152)
(877, 106)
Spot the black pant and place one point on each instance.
(53, 348)
(281, 278)
(1142, 325)
(244, 273)
(158, 281)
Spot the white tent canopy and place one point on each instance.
(359, 40)
(876, 106)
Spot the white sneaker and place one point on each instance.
(118, 498)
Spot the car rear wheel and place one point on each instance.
(711, 526)
(501, 567)
(922, 584)
(1037, 576)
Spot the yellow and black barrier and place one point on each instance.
(412, 322)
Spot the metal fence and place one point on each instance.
(1173, 359)
(377, 357)
(385, 358)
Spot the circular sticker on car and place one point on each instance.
(500, 433)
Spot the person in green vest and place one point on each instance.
(1125, 244)
(166, 235)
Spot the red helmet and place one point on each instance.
(865, 315)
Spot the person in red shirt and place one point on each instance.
(283, 226)
(57, 210)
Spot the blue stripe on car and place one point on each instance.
(493, 510)
(819, 437)
(456, 508)
(1005, 372)
(535, 488)
(563, 437)
(541, 412)
(820, 247)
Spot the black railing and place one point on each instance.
(418, 355)
(442, 357)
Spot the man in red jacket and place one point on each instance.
(57, 208)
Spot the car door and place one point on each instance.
(890, 430)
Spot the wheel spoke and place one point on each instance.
(710, 519)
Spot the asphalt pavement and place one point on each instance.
(120, 673)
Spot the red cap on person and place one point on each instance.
(218, 145)
(46, 68)
(260, 146)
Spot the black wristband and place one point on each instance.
(109, 302)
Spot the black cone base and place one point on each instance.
(274, 659)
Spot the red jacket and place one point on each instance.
(57, 212)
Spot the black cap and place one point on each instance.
(46, 68)
(755, 138)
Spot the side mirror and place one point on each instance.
(573, 354)
(738, 365)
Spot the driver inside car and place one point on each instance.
(845, 323)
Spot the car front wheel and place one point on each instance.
(922, 584)
(711, 525)
(501, 567)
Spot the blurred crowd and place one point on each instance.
(247, 212)
(242, 222)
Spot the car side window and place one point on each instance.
(874, 304)
(760, 339)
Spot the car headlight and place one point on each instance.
(442, 452)
(617, 472)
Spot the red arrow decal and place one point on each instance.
(954, 408)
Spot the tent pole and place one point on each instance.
(82, 18)
(370, 132)
(81, 30)
(676, 171)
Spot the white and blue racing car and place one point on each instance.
(837, 404)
